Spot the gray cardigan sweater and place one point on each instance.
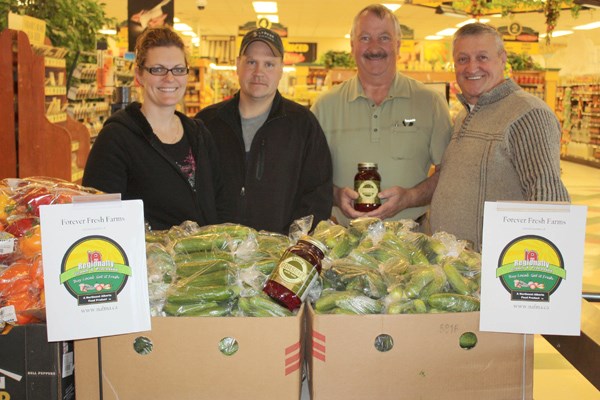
(506, 148)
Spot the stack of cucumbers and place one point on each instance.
(371, 267)
(218, 270)
(385, 267)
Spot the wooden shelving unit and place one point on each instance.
(8, 144)
(45, 148)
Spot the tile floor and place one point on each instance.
(554, 378)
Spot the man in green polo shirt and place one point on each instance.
(382, 116)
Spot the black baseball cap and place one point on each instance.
(266, 36)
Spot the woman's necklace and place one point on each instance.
(173, 134)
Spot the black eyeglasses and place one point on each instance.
(162, 71)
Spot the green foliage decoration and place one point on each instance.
(522, 62)
(72, 24)
(337, 59)
(551, 9)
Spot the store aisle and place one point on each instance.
(554, 378)
(583, 183)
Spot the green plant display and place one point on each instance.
(72, 24)
(550, 8)
(522, 62)
(337, 59)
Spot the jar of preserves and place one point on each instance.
(296, 272)
(367, 182)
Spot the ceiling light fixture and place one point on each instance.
(274, 18)
(447, 32)
(450, 11)
(585, 27)
(472, 20)
(182, 27)
(107, 31)
(557, 34)
(269, 7)
(392, 7)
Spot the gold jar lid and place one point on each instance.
(367, 165)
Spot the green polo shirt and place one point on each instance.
(404, 135)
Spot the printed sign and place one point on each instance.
(95, 277)
(34, 28)
(532, 267)
(147, 13)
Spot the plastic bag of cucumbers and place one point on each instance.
(386, 267)
(215, 270)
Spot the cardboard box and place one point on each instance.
(186, 363)
(31, 368)
(425, 362)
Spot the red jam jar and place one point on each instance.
(367, 182)
(297, 270)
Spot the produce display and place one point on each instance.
(21, 273)
(385, 267)
(371, 267)
(215, 270)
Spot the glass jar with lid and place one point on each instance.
(296, 272)
(367, 182)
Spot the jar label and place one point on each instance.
(367, 192)
(296, 274)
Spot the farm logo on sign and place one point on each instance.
(531, 268)
(94, 270)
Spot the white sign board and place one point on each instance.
(94, 257)
(34, 28)
(532, 267)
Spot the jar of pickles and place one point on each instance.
(296, 272)
(367, 182)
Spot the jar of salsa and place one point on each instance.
(367, 182)
(297, 270)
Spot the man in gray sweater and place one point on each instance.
(505, 145)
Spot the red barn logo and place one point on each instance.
(94, 256)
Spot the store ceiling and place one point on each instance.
(332, 18)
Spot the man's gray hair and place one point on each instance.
(477, 28)
(381, 12)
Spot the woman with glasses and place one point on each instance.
(152, 152)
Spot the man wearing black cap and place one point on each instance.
(276, 162)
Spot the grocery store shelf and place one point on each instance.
(55, 90)
(56, 118)
(55, 62)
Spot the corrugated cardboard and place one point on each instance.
(425, 363)
(31, 368)
(186, 363)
